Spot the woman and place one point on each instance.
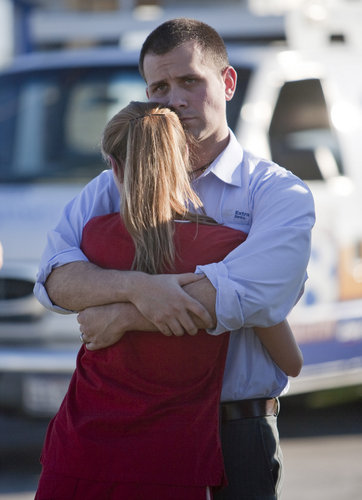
(140, 418)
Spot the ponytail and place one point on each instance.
(149, 146)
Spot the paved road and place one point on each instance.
(333, 473)
(322, 452)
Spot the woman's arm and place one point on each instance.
(279, 341)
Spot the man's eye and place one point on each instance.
(159, 89)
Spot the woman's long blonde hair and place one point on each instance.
(148, 147)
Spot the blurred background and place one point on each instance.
(66, 66)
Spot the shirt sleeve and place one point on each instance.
(259, 282)
(99, 197)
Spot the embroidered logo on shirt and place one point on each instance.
(244, 216)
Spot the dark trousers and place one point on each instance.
(253, 459)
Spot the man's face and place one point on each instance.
(190, 83)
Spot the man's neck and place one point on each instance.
(205, 153)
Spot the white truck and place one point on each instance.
(302, 108)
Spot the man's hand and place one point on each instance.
(101, 326)
(162, 300)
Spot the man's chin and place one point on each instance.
(192, 129)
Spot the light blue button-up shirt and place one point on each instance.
(256, 284)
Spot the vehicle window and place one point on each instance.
(300, 135)
(51, 121)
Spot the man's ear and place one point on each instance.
(117, 169)
(230, 79)
(114, 165)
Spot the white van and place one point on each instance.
(303, 110)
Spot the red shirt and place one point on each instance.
(145, 410)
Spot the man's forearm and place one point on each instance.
(160, 298)
(79, 285)
(105, 325)
(204, 292)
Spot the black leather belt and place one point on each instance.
(248, 408)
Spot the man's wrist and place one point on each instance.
(134, 283)
(130, 319)
(205, 293)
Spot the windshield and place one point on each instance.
(51, 122)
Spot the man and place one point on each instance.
(185, 65)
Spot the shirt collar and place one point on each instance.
(227, 165)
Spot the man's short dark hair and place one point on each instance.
(176, 32)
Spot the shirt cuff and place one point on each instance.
(229, 296)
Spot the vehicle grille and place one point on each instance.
(15, 288)
(17, 301)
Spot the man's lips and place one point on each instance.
(187, 122)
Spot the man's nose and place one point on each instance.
(176, 98)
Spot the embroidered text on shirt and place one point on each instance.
(239, 214)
